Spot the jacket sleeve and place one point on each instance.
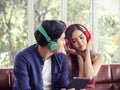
(64, 78)
(21, 73)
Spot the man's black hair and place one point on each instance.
(54, 29)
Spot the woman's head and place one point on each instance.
(53, 28)
(77, 36)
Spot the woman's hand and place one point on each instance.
(90, 42)
(70, 50)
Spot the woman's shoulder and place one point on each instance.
(96, 56)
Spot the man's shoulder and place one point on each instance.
(27, 49)
(27, 53)
(61, 55)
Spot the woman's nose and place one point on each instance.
(79, 41)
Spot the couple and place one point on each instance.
(43, 66)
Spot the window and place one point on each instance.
(102, 19)
(109, 29)
(13, 30)
(19, 19)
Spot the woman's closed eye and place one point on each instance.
(81, 37)
(74, 40)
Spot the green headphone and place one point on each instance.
(52, 45)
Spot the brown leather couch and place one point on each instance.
(108, 78)
(6, 79)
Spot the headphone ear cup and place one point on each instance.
(52, 45)
(87, 34)
(66, 42)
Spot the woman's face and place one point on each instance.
(60, 43)
(79, 41)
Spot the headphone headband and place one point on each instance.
(78, 25)
(52, 45)
(86, 32)
(41, 30)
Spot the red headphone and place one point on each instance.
(86, 32)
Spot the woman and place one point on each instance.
(82, 60)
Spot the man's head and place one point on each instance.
(49, 32)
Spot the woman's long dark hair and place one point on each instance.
(75, 66)
(74, 59)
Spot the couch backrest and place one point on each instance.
(6, 79)
(108, 77)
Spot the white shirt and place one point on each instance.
(46, 74)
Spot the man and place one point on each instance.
(43, 66)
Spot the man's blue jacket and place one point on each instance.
(28, 66)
